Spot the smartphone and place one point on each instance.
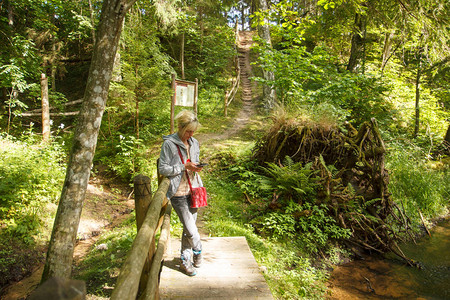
(201, 165)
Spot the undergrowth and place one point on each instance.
(31, 176)
(287, 267)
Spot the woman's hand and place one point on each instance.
(192, 167)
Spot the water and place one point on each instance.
(391, 278)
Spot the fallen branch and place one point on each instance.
(423, 222)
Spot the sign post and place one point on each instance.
(185, 93)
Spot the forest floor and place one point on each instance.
(106, 205)
(109, 203)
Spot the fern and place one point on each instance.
(290, 181)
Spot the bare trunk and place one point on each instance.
(417, 106)
(9, 112)
(357, 50)
(243, 17)
(388, 38)
(45, 109)
(60, 251)
(53, 64)
(12, 97)
(182, 56)
(92, 21)
(10, 14)
(269, 96)
(447, 136)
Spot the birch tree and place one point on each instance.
(60, 252)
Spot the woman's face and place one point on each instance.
(187, 135)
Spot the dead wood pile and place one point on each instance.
(356, 193)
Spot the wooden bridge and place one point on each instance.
(229, 270)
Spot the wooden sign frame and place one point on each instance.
(179, 102)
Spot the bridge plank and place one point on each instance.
(229, 271)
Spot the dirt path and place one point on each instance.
(248, 109)
(222, 140)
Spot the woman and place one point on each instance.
(174, 167)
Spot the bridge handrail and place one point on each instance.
(127, 285)
(153, 280)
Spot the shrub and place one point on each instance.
(31, 177)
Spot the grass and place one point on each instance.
(100, 268)
(416, 186)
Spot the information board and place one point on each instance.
(185, 94)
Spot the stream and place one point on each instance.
(390, 278)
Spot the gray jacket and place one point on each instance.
(170, 164)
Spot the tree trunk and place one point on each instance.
(182, 56)
(417, 106)
(60, 251)
(388, 38)
(357, 50)
(53, 64)
(45, 109)
(269, 96)
(243, 16)
(91, 10)
(447, 136)
(10, 14)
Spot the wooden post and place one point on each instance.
(225, 106)
(45, 109)
(127, 283)
(195, 95)
(143, 197)
(172, 106)
(158, 175)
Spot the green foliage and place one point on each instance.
(290, 181)
(318, 227)
(309, 225)
(309, 53)
(279, 225)
(125, 157)
(209, 53)
(31, 178)
(415, 185)
(312, 78)
(292, 188)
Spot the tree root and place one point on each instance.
(357, 192)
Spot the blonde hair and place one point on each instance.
(186, 120)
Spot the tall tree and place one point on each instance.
(358, 41)
(60, 252)
(269, 96)
(417, 86)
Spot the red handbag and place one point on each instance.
(198, 194)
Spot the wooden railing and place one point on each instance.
(139, 274)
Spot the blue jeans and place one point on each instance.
(190, 241)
